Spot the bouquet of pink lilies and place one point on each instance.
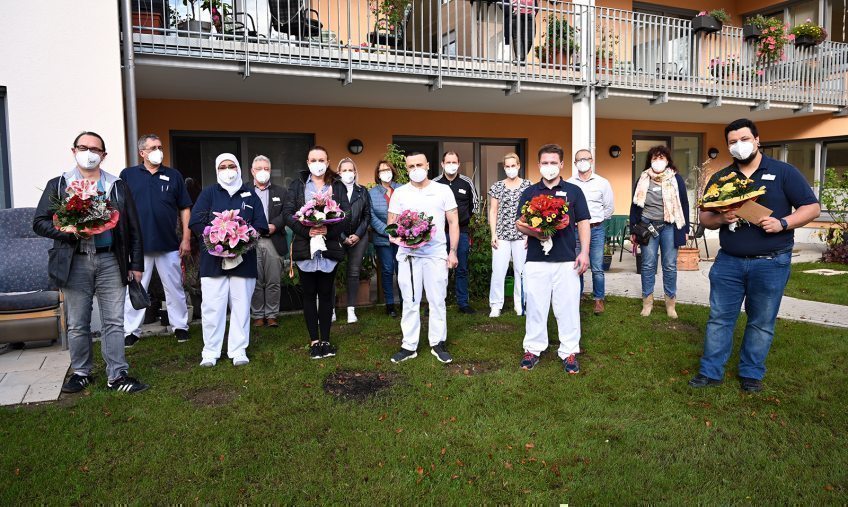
(229, 236)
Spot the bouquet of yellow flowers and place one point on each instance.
(730, 191)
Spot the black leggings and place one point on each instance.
(318, 315)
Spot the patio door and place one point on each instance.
(685, 153)
(661, 40)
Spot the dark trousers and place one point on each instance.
(318, 315)
(523, 28)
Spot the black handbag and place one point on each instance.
(138, 296)
(642, 233)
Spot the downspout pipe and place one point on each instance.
(128, 68)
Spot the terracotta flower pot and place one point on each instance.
(687, 259)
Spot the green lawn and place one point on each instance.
(626, 430)
(828, 289)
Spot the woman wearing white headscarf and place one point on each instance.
(220, 286)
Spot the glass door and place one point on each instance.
(641, 145)
(491, 164)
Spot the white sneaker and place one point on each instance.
(334, 316)
(240, 361)
(207, 363)
(351, 315)
(496, 312)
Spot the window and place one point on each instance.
(836, 156)
(5, 170)
(802, 154)
(837, 22)
(828, 13)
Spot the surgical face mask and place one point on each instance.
(318, 168)
(263, 176)
(583, 166)
(549, 172)
(385, 176)
(742, 151)
(348, 177)
(659, 165)
(451, 168)
(155, 157)
(418, 174)
(87, 159)
(227, 176)
(511, 172)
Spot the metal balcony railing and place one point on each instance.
(493, 43)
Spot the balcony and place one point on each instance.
(569, 49)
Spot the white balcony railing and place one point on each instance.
(557, 46)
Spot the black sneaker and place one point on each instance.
(327, 349)
(467, 310)
(130, 340)
(750, 385)
(703, 381)
(390, 311)
(126, 384)
(182, 335)
(315, 351)
(441, 354)
(403, 355)
(77, 383)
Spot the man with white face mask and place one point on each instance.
(467, 203)
(425, 269)
(272, 247)
(162, 199)
(598, 193)
(754, 261)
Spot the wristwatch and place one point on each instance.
(784, 223)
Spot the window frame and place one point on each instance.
(5, 160)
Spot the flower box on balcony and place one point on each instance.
(805, 41)
(751, 32)
(393, 40)
(149, 21)
(706, 24)
(195, 27)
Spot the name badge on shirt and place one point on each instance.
(461, 191)
(163, 177)
(769, 177)
(560, 193)
(245, 206)
(275, 199)
(245, 194)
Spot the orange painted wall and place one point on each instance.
(805, 127)
(707, 5)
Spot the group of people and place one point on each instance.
(158, 218)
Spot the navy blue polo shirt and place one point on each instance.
(216, 198)
(159, 197)
(786, 189)
(565, 240)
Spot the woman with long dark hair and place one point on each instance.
(660, 202)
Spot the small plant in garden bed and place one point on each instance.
(834, 200)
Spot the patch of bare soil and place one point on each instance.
(211, 397)
(358, 385)
(494, 327)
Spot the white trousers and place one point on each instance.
(171, 274)
(217, 292)
(428, 275)
(554, 284)
(501, 256)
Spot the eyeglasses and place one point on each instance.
(584, 159)
(82, 147)
(231, 166)
(153, 148)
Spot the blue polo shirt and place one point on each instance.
(786, 189)
(159, 197)
(565, 240)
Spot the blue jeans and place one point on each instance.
(663, 244)
(388, 268)
(760, 282)
(596, 260)
(462, 268)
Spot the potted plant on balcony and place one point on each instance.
(191, 22)
(390, 16)
(725, 69)
(808, 34)
(606, 49)
(710, 22)
(558, 41)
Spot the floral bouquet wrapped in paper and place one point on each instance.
(229, 236)
(412, 229)
(729, 192)
(546, 214)
(85, 211)
(318, 211)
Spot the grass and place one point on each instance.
(626, 430)
(827, 289)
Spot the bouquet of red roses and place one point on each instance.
(412, 229)
(546, 214)
(85, 211)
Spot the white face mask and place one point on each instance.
(155, 157)
(584, 166)
(227, 176)
(263, 176)
(348, 177)
(741, 150)
(549, 172)
(658, 166)
(451, 168)
(418, 174)
(511, 172)
(87, 159)
(318, 168)
(385, 176)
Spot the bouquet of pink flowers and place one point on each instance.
(229, 236)
(320, 210)
(85, 212)
(412, 229)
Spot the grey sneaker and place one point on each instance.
(441, 354)
(403, 355)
